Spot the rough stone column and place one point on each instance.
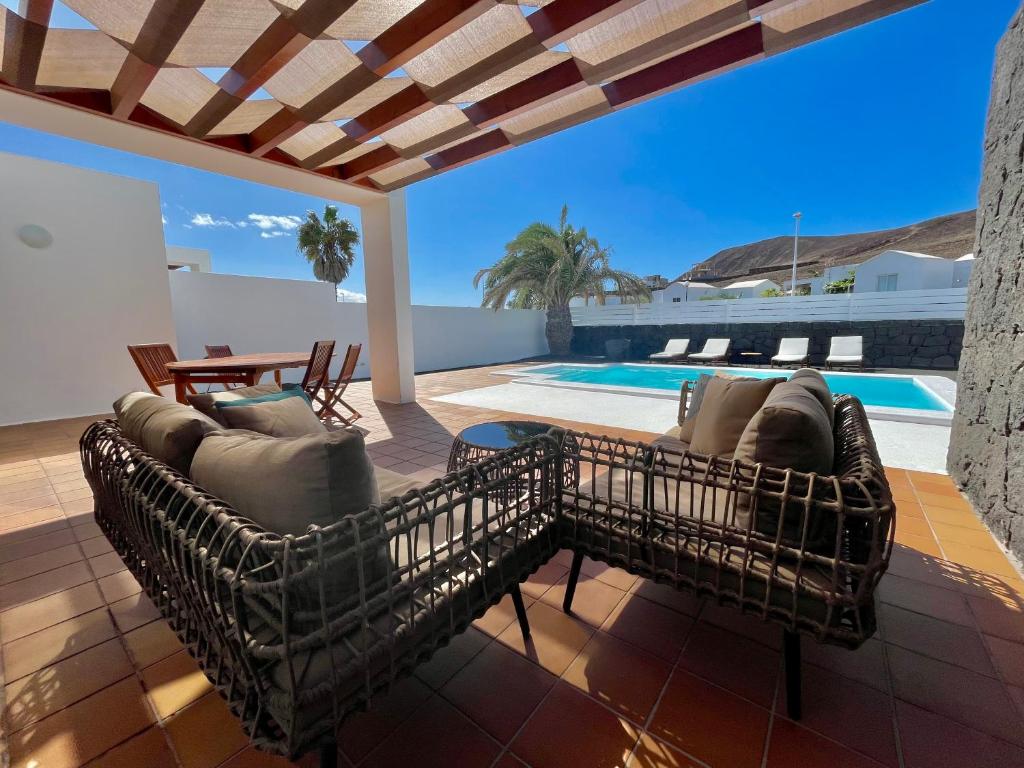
(986, 456)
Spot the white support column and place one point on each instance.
(388, 301)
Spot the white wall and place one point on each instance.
(450, 337)
(257, 314)
(962, 269)
(915, 273)
(67, 312)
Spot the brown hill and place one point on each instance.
(948, 236)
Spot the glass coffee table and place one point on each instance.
(481, 441)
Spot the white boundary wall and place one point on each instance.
(936, 304)
(258, 314)
(68, 311)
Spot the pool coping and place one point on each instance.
(939, 386)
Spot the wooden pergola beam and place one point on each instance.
(558, 21)
(24, 38)
(424, 26)
(735, 48)
(477, 148)
(164, 26)
(277, 45)
(553, 82)
(375, 160)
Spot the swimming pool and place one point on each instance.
(873, 390)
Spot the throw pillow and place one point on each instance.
(728, 404)
(168, 431)
(207, 401)
(790, 431)
(279, 414)
(815, 383)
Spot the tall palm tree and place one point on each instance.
(328, 244)
(545, 268)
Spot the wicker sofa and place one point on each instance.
(297, 632)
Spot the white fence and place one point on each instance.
(944, 304)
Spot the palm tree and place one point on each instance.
(328, 245)
(545, 268)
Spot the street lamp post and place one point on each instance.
(796, 245)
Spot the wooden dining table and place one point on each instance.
(236, 369)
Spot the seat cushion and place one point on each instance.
(207, 401)
(168, 431)
(287, 484)
(790, 431)
(728, 404)
(278, 414)
(815, 383)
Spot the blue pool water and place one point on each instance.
(884, 391)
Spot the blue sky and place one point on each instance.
(874, 128)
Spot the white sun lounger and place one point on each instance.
(674, 350)
(792, 351)
(846, 351)
(714, 350)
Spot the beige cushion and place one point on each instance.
(791, 431)
(287, 417)
(727, 406)
(168, 431)
(207, 401)
(815, 383)
(287, 484)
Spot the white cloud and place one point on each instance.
(242, 224)
(268, 221)
(274, 233)
(163, 219)
(352, 297)
(206, 220)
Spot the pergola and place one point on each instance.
(352, 100)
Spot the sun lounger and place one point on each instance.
(675, 349)
(715, 350)
(846, 352)
(792, 351)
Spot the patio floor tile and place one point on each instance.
(792, 745)
(555, 638)
(436, 736)
(205, 734)
(733, 662)
(650, 626)
(71, 737)
(572, 729)
(667, 680)
(619, 675)
(930, 740)
(498, 689)
(710, 723)
(149, 749)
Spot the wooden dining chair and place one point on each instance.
(219, 350)
(334, 391)
(151, 360)
(318, 372)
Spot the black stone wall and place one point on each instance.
(933, 344)
(986, 448)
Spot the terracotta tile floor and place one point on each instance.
(640, 676)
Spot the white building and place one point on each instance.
(815, 286)
(192, 259)
(904, 271)
(750, 289)
(682, 291)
